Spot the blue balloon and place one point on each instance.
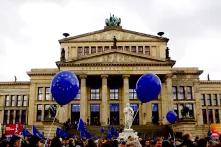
(148, 87)
(171, 117)
(64, 87)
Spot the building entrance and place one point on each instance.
(95, 114)
(114, 114)
(135, 108)
(75, 113)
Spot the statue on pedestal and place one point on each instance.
(129, 114)
(129, 118)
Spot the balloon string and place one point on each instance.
(52, 124)
(136, 113)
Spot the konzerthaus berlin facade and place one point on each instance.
(108, 63)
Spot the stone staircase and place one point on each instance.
(142, 130)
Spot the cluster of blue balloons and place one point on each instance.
(64, 87)
(148, 88)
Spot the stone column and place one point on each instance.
(14, 116)
(104, 105)
(166, 98)
(125, 90)
(83, 98)
(32, 109)
(148, 112)
(125, 98)
(197, 107)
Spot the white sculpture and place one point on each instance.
(129, 118)
(129, 114)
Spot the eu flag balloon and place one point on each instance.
(148, 87)
(64, 87)
(171, 117)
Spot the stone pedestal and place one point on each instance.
(126, 133)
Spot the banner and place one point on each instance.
(11, 129)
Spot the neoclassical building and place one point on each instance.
(108, 62)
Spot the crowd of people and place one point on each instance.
(33, 141)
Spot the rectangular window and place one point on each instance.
(217, 116)
(180, 108)
(140, 49)
(114, 94)
(133, 49)
(11, 116)
(106, 48)
(19, 101)
(80, 51)
(39, 112)
(86, 50)
(47, 114)
(215, 100)
(189, 95)
(174, 92)
(209, 100)
(203, 100)
(95, 108)
(7, 100)
(154, 107)
(14, 100)
(95, 94)
(25, 100)
(120, 48)
(147, 50)
(220, 99)
(175, 108)
(93, 49)
(40, 93)
(78, 95)
(127, 48)
(210, 115)
(5, 116)
(114, 107)
(100, 49)
(17, 116)
(132, 94)
(135, 107)
(75, 108)
(190, 114)
(181, 93)
(204, 116)
(47, 94)
(23, 116)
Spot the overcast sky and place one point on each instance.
(30, 30)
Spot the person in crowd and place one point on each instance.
(56, 142)
(15, 141)
(201, 143)
(187, 142)
(90, 143)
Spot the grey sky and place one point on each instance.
(29, 30)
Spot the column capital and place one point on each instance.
(169, 75)
(104, 76)
(125, 76)
(83, 76)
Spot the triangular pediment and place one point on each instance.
(116, 57)
(107, 35)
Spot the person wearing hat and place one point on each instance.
(15, 141)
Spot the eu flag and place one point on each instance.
(61, 133)
(37, 133)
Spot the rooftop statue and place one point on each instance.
(113, 21)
